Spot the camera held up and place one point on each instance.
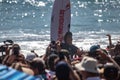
(7, 44)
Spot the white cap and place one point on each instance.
(30, 56)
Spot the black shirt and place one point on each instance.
(71, 48)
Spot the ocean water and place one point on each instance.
(27, 22)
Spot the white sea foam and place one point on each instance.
(81, 42)
(36, 3)
(27, 22)
(0, 0)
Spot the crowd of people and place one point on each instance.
(65, 61)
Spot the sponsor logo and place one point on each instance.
(61, 23)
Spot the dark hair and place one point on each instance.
(15, 49)
(117, 46)
(117, 49)
(63, 53)
(111, 72)
(117, 59)
(38, 64)
(93, 54)
(51, 60)
(66, 35)
(62, 71)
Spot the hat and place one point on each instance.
(30, 56)
(88, 64)
(94, 48)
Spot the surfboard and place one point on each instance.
(60, 19)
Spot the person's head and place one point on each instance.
(51, 61)
(62, 71)
(117, 59)
(93, 50)
(111, 72)
(30, 57)
(21, 58)
(64, 55)
(88, 66)
(38, 66)
(68, 38)
(15, 49)
(102, 59)
(117, 49)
